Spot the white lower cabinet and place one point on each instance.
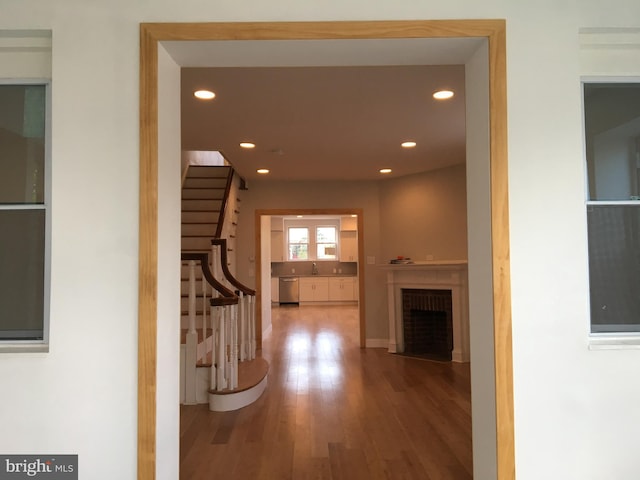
(328, 289)
(342, 289)
(314, 289)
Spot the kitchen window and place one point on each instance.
(312, 240)
(24, 216)
(326, 243)
(298, 243)
(612, 146)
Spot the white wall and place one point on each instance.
(576, 409)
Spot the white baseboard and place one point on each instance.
(377, 343)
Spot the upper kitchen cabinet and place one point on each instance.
(277, 239)
(348, 224)
(348, 239)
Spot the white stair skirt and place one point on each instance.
(234, 401)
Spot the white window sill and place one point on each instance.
(619, 341)
(26, 347)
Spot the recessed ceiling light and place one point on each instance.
(408, 144)
(298, 216)
(248, 145)
(385, 170)
(443, 94)
(263, 171)
(204, 94)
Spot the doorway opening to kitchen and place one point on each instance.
(325, 267)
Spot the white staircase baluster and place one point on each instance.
(252, 327)
(221, 383)
(191, 341)
(234, 346)
(227, 327)
(212, 371)
(205, 308)
(192, 296)
(242, 312)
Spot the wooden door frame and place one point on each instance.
(153, 33)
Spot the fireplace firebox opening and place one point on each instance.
(427, 322)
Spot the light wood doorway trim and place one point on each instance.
(152, 33)
(307, 211)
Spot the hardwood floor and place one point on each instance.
(334, 411)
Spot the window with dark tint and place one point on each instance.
(612, 146)
(23, 212)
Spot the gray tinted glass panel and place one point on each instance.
(614, 267)
(612, 135)
(22, 143)
(22, 237)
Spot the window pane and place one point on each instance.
(326, 234)
(612, 136)
(22, 143)
(327, 251)
(614, 267)
(22, 240)
(298, 235)
(298, 251)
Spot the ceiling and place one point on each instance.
(325, 110)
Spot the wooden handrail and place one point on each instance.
(228, 297)
(225, 200)
(222, 242)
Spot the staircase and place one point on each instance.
(219, 365)
(203, 195)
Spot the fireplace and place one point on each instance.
(428, 309)
(427, 323)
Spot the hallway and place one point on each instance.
(334, 411)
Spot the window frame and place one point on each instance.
(609, 336)
(37, 345)
(335, 243)
(289, 243)
(311, 225)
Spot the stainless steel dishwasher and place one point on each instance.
(288, 289)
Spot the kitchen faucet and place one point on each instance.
(314, 269)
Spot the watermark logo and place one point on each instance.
(51, 467)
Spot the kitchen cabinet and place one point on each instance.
(277, 246)
(348, 246)
(314, 289)
(348, 223)
(342, 289)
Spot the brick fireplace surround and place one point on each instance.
(435, 275)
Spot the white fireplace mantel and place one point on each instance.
(437, 275)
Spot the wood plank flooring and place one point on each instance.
(334, 411)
